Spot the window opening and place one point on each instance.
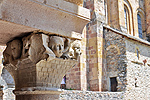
(139, 26)
(125, 16)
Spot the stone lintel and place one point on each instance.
(54, 16)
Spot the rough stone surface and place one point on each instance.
(115, 51)
(138, 70)
(8, 94)
(90, 95)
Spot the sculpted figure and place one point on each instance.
(75, 50)
(48, 51)
(58, 45)
(33, 48)
(13, 52)
(16, 48)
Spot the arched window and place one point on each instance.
(139, 26)
(126, 17)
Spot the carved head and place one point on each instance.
(76, 48)
(16, 48)
(56, 44)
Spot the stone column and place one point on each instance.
(38, 62)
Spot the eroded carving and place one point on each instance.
(13, 52)
(33, 48)
(16, 48)
(59, 45)
(75, 50)
(40, 46)
(40, 55)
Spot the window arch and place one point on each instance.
(127, 19)
(141, 23)
(139, 26)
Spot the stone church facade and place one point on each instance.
(115, 59)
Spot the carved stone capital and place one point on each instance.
(39, 61)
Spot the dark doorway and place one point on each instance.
(114, 84)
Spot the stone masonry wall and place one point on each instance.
(115, 59)
(138, 70)
(90, 95)
(73, 78)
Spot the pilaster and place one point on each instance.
(95, 45)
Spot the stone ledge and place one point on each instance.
(127, 35)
